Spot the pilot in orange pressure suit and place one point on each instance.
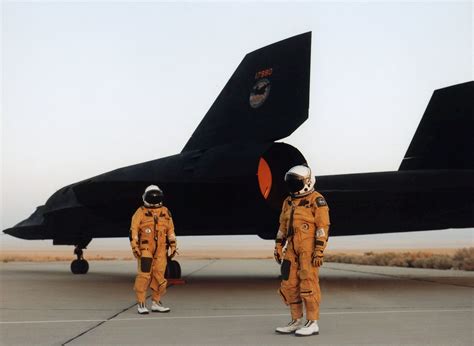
(151, 233)
(304, 226)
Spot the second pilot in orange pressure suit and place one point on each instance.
(304, 227)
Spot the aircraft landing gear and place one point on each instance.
(173, 270)
(79, 265)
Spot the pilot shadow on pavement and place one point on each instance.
(233, 302)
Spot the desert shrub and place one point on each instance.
(365, 260)
(418, 263)
(442, 262)
(383, 259)
(416, 259)
(348, 259)
(398, 261)
(434, 262)
(464, 259)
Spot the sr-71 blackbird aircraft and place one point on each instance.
(228, 179)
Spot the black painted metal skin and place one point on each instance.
(400, 201)
(212, 186)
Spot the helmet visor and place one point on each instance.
(294, 183)
(154, 197)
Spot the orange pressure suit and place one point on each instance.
(151, 232)
(304, 224)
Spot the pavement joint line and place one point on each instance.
(203, 267)
(113, 317)
(98, 325)
(399, 277)
(144, 318)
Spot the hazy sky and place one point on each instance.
(90, 87)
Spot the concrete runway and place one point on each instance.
(233, 302)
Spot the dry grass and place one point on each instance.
(462, 259)
(52, 258)
(56, 256)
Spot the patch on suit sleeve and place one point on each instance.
(321, 202)
(320, 233)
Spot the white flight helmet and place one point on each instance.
(299, 181)
(153, 197)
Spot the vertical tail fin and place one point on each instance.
(445, 136)
(266, 99)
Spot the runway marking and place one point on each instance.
(239, 316)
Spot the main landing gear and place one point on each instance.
(173, 270)
(79, 265)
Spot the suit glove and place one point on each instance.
(173, 251)
(136, 252)
(317, 258)
(278, 253)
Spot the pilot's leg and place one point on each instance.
(310, 293)
(290, 292)
(158, 283)
(143, 280)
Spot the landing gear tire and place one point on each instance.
(173, 270)
(79, 266)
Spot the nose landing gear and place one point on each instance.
(79, 265)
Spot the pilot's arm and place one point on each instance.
(281, 235)
(322, 230)
(136, 218)
(171, 236)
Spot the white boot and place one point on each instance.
(157, 307)
(142, 310)
(291, 327)
(310, 328)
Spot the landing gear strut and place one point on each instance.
(79, 265)
(173, 270)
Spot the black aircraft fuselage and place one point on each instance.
(399, 201)
(229, 177)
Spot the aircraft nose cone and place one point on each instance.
(30, 228)
(10, 231)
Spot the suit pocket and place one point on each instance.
(145, 264)
(285, 269)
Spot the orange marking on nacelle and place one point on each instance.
(264, 177)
